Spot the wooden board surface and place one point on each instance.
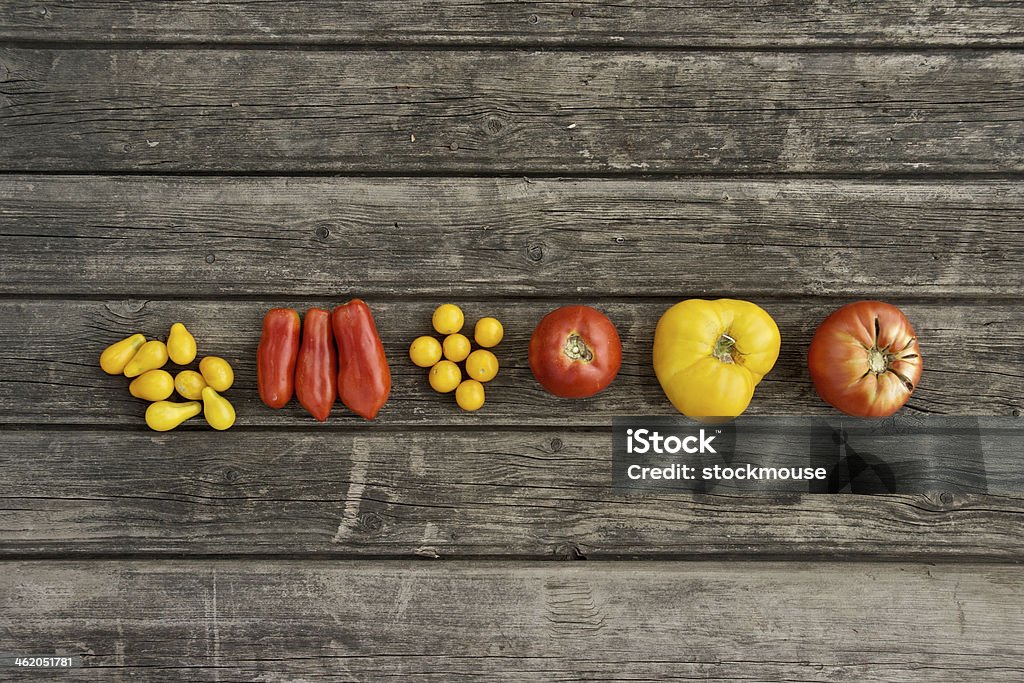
(460, 493)
(461, 237)
(53, 377)
(685, 23)
(510, 112)
(280, 620)
(205, 161)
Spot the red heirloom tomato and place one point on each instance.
(575, 352)
(864, 359)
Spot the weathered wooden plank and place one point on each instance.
(495, 111)
(50, 351)
(281, 620)
(688, 23)
(176, 236)
(453, 493)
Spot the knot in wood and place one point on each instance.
(493, 125)
(535, 252)
(534, 19)
(369, 523)
(556, 444)
(322, 232)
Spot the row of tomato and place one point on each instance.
(709, 357)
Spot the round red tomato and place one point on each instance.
(575, 352)
(864, 359)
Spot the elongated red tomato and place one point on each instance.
(575, 351)
(276, 356)
(316, 372)
(364, 378)
(865, 359)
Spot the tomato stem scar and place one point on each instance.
(725, 349)
(576, 349)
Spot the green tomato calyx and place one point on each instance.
(725, 349)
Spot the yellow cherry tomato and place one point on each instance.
(456, 347)
(445, 376)
(116, 356)
(470, 395)
(153, 385)
(482, 365)
(190, 384)
(219, 412)
(488, 332)
(150, 356)
(166, 415)
(448, 319)
(181, 345)
(425, 351)
(217, 372)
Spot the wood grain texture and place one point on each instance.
(279, 620)
(50, 353)
(456, 493)
(510, 112)
(686, 23)
(457, 237)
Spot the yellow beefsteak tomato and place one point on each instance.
(709, 355)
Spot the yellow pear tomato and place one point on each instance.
(150, 356)
(217, 373)
(190, 384)
(709, 355)
(116, 356)
(181, 345)
(219, 412)
(164, 416)
(152, 385)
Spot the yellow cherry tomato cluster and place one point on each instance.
(443, 358)
(144, 361)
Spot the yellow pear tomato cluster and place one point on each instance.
(443, 357)
(143, 361)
